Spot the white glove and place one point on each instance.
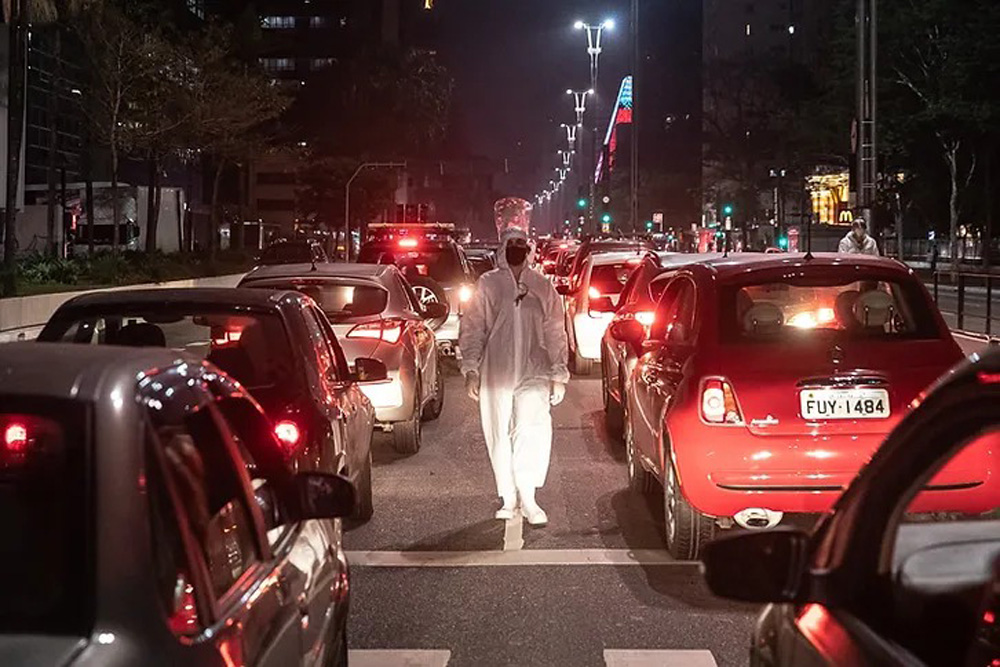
(472, 385)
(557, 393)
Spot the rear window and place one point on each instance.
(287, 253)
(610, 278)
(340, 300)
(251, 347)
(804, 307)
(442, 264)
(44, 511)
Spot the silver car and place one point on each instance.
(152, 519)
(375, 314)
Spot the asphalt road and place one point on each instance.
(974, 308)
(437, 581)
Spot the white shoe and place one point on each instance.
(505, 513)
(535, 515)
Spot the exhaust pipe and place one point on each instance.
(756, 518)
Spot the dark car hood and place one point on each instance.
(42, 650)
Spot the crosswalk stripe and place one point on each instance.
(398, 658)
(523, 557)
(658, 658)
(513, 532)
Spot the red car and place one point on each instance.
(637, 301)
(767, 381)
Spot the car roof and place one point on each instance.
(73, 371)
(209, 296)
(321, 269)
(616, 257)
(736, 264)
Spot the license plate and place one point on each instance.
(817, 404)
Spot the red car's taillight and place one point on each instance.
(388, 330)
(288, 433)
(646, 318)
(15, 437)
(718, 403)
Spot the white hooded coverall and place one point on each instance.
(518, 347)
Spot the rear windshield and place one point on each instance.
(610, 278)
(287, 253)
(251, 347)
(340, 300)
(44, 511)
(805, 307)
(438, 263)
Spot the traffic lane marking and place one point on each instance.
(398, 658)
(658, 658)
(524, 557)
(513, 532)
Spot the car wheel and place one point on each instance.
(614, 415)
(582, 365)
(687, 529)
(338, 657)
(436, 404)
(639, 479)
(430, 291)
(406, 434)
(365, 507)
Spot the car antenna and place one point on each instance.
(314, 265)
(809, 239)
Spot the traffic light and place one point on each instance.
(649, 225)
(783, 242)
(581, 202)
(727, 209)
(606, 218)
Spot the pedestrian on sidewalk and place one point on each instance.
(857, 241)
(514, 356)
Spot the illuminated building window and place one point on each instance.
(278, 22)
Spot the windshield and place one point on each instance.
(795, 307)
(440, 263)
(610, 278)
(45, 512)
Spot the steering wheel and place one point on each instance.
(985, 647)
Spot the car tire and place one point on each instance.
(427, 291)
(639, 479)
(365, 506)
(436, 404)
(582, 365)
(687, 530)
(406, 434)
(338, 657)
(614, 415)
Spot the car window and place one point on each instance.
(442, 263)
(340, 361)
(818, 305)
(320, 338)
(287, 253)
(610, 278)
(675, 313)
(407, 290)
(45, 511)
(209, 486)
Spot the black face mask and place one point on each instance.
(516, 254)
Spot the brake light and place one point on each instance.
(594, 293)
(388, 330)
(227, 338)
(288, 433)
(464, 293)
(645, 318)
(15, 437)
(407, 243)
(718, 403)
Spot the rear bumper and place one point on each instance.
(588, 332)
(737, 470)
(448, 332)
(392, 399)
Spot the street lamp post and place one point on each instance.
(347, 197)
(579, 103)
(594, 35)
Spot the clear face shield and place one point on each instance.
(512, 212)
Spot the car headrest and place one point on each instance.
(141, 334)
(763, 318)
(873, 309)
(843, 308)
(743, 304)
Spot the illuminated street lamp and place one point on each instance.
(579, 102)
(567, 158)
(594, 34)
(570, 136)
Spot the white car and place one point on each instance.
(592, 301)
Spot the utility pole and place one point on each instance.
(15, 128)
(347, 197)
(866, 145)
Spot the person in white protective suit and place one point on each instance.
(514, 355)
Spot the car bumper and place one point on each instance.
(448, 331)
(393, 398)
(726, 469)
(588, 332)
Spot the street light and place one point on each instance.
(570, 136)
(579, 102)
(594, 34)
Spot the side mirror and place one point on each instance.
(563, 289)
(369, 370)
(629, 332)
(320, 495)
(768, 566)
(435, 310)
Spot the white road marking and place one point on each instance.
(513, 532)
(523, 557)
(658, 658)
(398, 658)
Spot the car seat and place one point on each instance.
(763, 319)
(843, 309)
(873, 310)
(141, 334)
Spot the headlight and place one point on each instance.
(464, 293)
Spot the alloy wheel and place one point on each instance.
(424, 294)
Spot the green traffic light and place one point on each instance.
(649, 224)
(783, 242)
(727, 209)
(581, 203)
(606, 217)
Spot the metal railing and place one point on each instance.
(967, 303)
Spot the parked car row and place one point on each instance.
(205, 443)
